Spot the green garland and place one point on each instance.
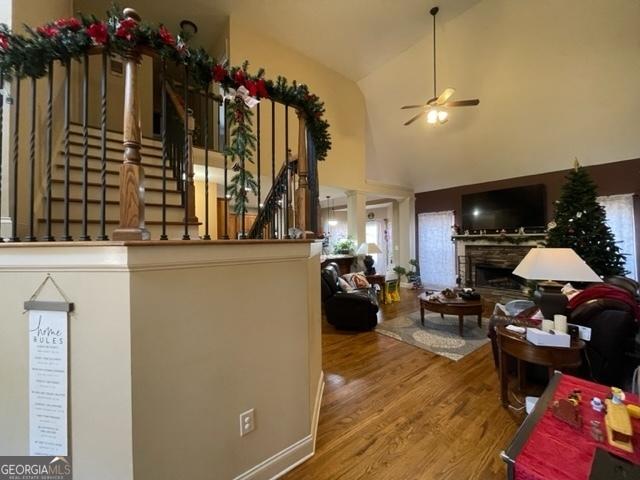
(68, 39)
(500, 238)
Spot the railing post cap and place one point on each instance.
(132, 13)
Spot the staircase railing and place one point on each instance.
(67, 89)
(269, 222)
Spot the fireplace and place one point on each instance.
(493, 276)
(491, 266)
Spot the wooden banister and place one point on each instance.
(132, 226)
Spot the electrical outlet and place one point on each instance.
(247, 422)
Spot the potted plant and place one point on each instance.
(345, 246)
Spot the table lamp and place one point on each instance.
(367, 249)
(548, 266)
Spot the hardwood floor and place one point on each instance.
(394, 411)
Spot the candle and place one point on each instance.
(560, 322)
(547, 325)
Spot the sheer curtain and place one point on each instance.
(375, 234)
(436, 250)
(621, 220)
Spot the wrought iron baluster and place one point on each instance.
(163, 133)
(103, 150)
(206, 165)
(185, 190)
(32, 161)
(258, 161)
(273, 160)
(85, 149)
(226, 175)
(16, 154)
(66, 136)
(1, 144)
(48, 237)
(286, 173)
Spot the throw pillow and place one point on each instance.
(344, 285)
(360, 280)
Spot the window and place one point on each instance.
(621, 220)
(436, 250)
(375, 234)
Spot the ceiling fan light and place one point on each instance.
(443, 116)
(432, 116)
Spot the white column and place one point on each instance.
(356, 216)
(405, 233)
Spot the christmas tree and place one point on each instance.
(580, 224)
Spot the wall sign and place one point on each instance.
(48, 375)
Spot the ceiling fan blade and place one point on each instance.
(462, 103)
(431, 101)
(413, 119)
(444, 96)
(405, 107)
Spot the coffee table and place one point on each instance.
(453, 306)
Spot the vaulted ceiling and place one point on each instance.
(556, 79)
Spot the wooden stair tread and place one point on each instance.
(114, 172)
(114, 202)
(115, 222)
(96, 184)
(112, 160)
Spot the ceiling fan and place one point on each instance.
(435, 108)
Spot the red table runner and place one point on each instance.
(558, 451)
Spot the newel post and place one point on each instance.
(302, 192)
(132, 225)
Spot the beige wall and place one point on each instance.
(100, 351)
(169, 344)
(344, 102)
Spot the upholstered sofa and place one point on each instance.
(347, 310)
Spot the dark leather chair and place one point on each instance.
(613, 329)
(353, 310)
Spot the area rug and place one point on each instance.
(439, 335)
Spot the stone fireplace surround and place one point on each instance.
(492, 255)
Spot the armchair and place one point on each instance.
(354, 310)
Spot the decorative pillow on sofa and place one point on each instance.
(357, 280)
(344, 285)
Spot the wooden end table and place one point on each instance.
(454, 306)
(512, 344)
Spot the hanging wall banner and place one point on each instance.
(48, 382)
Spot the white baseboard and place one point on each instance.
(292, 456)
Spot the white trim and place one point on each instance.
(316, 409)
(286, 460)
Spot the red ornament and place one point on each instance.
(166, 36)
(4, 41)
(126, 29)
(98, 32)
(239, 78)
(48, 31)
(262, 88)
(252, 87)
(219, 73)
(71, 23)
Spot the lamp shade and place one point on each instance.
(368, 249)
(561, 264)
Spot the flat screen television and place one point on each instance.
(509, 209)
